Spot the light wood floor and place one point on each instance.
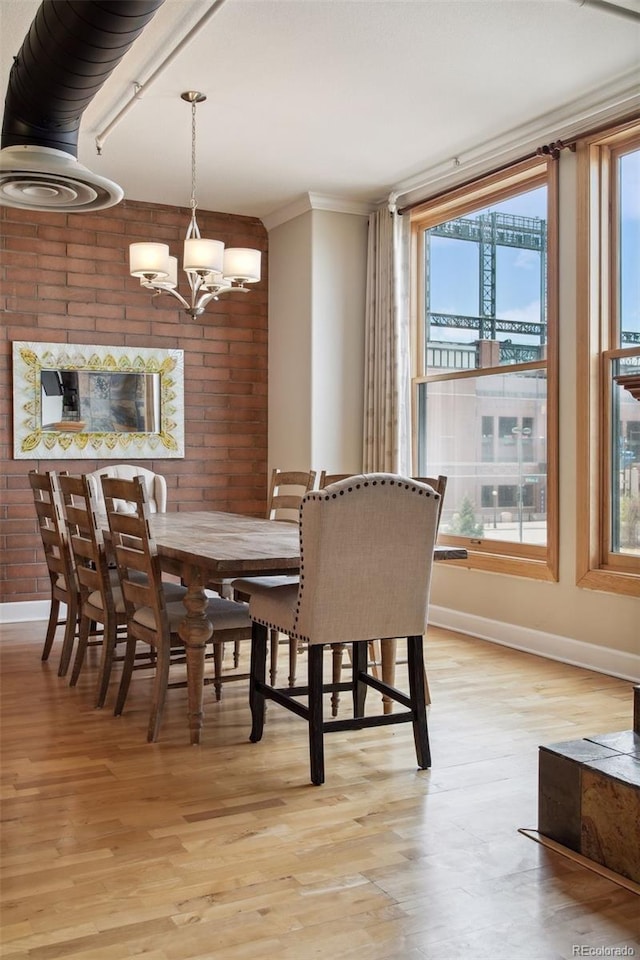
(114, 848)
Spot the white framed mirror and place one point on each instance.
(82, 401)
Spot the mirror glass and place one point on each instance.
(75, 400)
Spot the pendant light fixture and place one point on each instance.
(210, 268)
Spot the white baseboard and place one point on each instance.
(23, 612)
(614, 663)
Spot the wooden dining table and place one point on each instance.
(202, 547)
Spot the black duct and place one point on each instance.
(71, 48)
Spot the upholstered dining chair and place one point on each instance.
(101, 599)
(155, 485)
(366, 548)
(62, 575)
(150, 618)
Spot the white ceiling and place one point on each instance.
(348, 100)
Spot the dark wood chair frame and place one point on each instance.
(415, 712)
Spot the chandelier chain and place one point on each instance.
(193, 158)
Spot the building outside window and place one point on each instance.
(484, 385)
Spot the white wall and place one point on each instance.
(338, 287)
(560, 620)
(317, 264)
(290, 400)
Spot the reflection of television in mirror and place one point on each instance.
(51, 383)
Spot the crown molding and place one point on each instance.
(618, 99)
(316, 201)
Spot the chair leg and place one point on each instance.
(258, 672)
(160, 683)
(218, 650)
(375, 658)
(83, 641)
(337, 651)
(359, 657)
(69, 637)
(427, 692)
(109, 639)
(316, 732)
(236, 653)
(415, 661)
(388, 654)
(293, 661)
(127, 671)
(54, 612)
(274, 639)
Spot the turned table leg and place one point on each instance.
(195, 630)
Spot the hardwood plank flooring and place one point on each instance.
(113, 848)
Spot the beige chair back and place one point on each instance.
(367, 553)
(154, 483)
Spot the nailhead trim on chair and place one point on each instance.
(321, 495)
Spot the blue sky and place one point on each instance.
(455, 266)
(455, 272)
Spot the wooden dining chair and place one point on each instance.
(382, 654)
(62, 575)
(286, 490)
(328, 478)
(101, 600)
(338, 649)
(150, 618)
(366, 560)
(385, 651)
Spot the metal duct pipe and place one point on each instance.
(71, 48)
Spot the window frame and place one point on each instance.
(518, 559)
(597, 566)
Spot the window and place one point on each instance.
(485, 382)
(609, 362)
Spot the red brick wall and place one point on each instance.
(64, 278)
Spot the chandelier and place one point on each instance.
(210, 268)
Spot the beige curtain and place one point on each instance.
(387, 385)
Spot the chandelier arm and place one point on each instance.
(174, 293)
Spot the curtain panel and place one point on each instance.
(387, 390)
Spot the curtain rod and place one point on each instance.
(552, 150)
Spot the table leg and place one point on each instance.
(195, 630)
